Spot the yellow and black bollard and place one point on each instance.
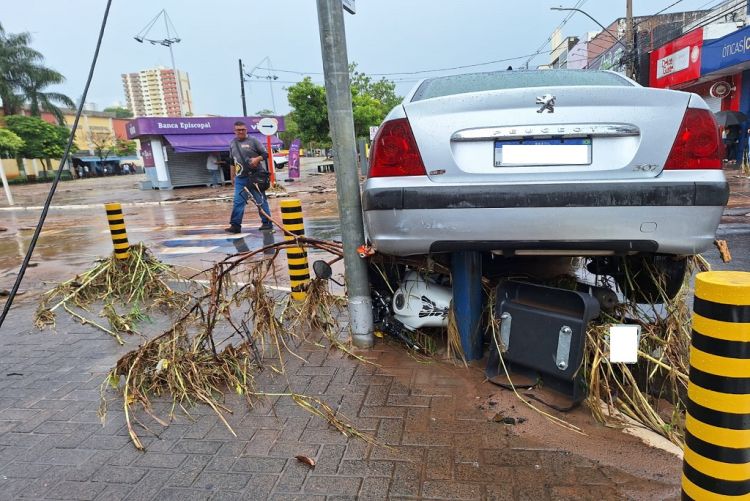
(299, 271)
(717, 428)
(117, 229)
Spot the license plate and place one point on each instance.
(514, 153)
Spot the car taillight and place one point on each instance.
(395, 152)
(697, 145)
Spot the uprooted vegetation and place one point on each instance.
(232, 324)
(651, 392)
(220, 335)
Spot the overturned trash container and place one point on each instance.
(543, 334)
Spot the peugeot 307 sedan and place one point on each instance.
(547, 162)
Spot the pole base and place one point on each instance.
(360, 321)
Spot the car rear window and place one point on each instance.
(498, 80)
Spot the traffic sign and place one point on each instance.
(268, 126)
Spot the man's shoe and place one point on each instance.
(233, 229)
(265, 227)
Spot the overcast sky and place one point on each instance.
(385, 36)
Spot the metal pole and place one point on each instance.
(5, 183)
(179, 84)
(174, 67)
(617, 40)
(629, 36)
(242, 88)
(466, 267)
(339, 97)
(270, 86)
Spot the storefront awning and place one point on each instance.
(197, 143)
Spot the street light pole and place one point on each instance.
(587, 15)
(242, 89)
(270, 78)
(174, 67)
(179, 83)
(339, 97)
(629, 71)
(629, 37)
(167, 42)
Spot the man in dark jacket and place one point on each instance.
(247, 154)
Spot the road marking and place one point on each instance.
(171, 251)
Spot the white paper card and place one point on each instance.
(623, 343)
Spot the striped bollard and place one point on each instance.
(117, 228)
(717, 426)
(299, 271)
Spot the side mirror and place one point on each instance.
(322, 269)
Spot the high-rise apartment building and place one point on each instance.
(154, 93)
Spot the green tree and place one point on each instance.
(10, 143)
(371, 102)
(23, 78)
(125, 148)
(119, 111)
(309, 110)
(16, 59)
(292, 131)
(41, 139)
(33, 90)
(367, 111)
(265, 112)
(382, 90)
(103, 144)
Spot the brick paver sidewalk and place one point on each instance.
(52, 445)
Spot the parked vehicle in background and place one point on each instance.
(551, 163)
(280, 160)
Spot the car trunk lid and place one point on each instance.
(547, 134)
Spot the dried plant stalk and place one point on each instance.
(191, 364)
(138, 283)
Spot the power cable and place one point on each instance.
(565, 20)
(635, 25)
(719, 15)
(64, 159)
(504, 60)
(538, 52)
(705, 22)
(659, 42)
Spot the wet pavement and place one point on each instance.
(435, 441)
(184, 227)
(436, 419)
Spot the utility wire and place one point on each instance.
(565, 20)
(538, 52)
(635, 25)
(705, 22)
(64, 159)
(710, 19)
(504, 60)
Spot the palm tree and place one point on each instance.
(32, 89)
(23, 78)
(16, 58)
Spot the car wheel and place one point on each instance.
(651, 278)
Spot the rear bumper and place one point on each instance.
(680, 194)
(679, 218)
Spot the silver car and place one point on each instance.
(548, 162)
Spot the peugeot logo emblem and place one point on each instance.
(548, 103)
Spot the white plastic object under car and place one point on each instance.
(421, 302)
